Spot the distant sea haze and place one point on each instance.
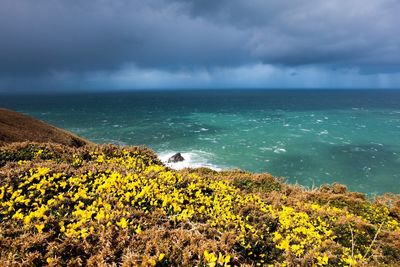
(310, 137)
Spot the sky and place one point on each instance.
(66, 45)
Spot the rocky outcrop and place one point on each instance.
(176, 158)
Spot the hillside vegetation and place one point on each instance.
(17, 127)
(108, 205)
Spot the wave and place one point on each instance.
(193, 159)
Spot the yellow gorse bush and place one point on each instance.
(106, 188)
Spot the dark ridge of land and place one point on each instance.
(17, 127)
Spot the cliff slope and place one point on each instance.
(17, 127)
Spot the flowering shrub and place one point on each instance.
(104, 205)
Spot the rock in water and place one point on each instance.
(176, 158)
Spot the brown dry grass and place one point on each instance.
(16, 127)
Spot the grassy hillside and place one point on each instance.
(106, 205)
(16, 127)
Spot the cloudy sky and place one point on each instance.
(128, 44)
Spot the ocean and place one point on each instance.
(309, 137)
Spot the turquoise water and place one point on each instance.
(308, 137)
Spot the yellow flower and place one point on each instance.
(62, 227)
(210, 258)
(161, 256)
(39, 227)
(152, 262)
(322, 260)
(18, 216)
(39, 152)
(123, 223)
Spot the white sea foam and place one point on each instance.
(295, 135)
(118, 143)
(193, 159)
(378, 144)
(265, 148)
(279, 150)
(212, 140)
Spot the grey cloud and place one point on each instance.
(45, 36)
(355, 33)
(42, 36)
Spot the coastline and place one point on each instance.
(122, 205)
(350, 139)
(192, 159)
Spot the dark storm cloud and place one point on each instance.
(354, 33)
(46, 36)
